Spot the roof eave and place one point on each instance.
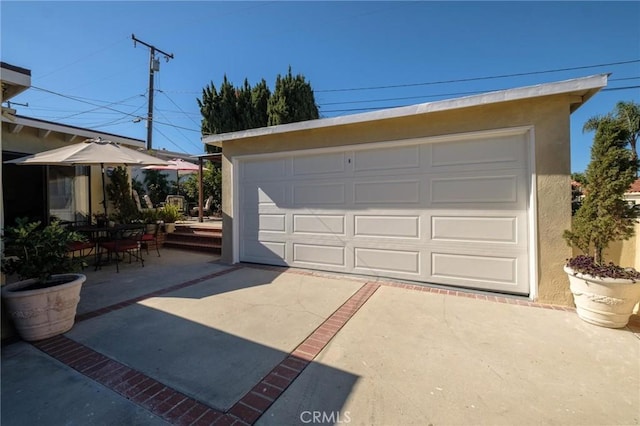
(584, 88)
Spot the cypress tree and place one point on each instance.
(604, 215)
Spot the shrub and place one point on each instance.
(33, 251)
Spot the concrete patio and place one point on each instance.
(188, 340)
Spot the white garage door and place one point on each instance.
(451, 212)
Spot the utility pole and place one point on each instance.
(154, 66)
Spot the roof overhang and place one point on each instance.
(15, 80)
(581, 89)
(71, 133)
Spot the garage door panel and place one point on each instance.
(319, 164)
(319, 254)
(264, 194)
(386, 226)
(474, 189)
(478, 154)
(387, 260)
(475, 229)
(319, 194)
(271, 252)
(474, 268)
(397, 158)
(319, 224)
(262, 170)
(387, 192)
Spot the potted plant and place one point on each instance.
(43, 303)
(151, 217)
(169, 214)
(604, 293)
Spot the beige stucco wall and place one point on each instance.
(550, 118)
(623, 253)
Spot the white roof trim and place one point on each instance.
(71, 130)
(584, 87)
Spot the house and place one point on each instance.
(469, 192)
(633, 193)
(44, 192)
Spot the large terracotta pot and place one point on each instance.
(40, 313)
(607, 302)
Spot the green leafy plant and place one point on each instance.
(119, 191)
(169, 213)
(605, 216)
(151, 216)
(34, 251)
(212, 185)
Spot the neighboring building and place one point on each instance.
(469, 192)
(44, 192)
(633, 193)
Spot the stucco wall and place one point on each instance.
(550, 118)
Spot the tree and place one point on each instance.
(604, 215)
(212, 185)
(157, 185)
(292, 100)
(627, 116)
(230, 108)
(119, 192)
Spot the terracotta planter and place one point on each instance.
(41, 313)
(607, 302)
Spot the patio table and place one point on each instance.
(104, 234)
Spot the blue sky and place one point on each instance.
(83, 52)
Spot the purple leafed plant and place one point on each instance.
(586, 265)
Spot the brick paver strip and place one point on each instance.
(258, 400)
(133, 301)
(170, 404)
(178, 408)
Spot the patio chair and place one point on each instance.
(124, 240)
(206, 211)
(176, 200)
(147, 201)
(148, 238)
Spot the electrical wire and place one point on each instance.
(177, 106)
(184, 136)
(398, 106)
(394, 86)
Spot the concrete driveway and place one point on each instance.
(186, 340)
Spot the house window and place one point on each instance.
(68, 193)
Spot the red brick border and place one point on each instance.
(133, 301)
(178, 408)
(163, 401)
(258, 400)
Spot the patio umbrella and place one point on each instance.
(90, 152)
(177, 164)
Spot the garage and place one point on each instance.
(469, 193)
(448, 210)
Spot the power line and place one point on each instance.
(101, 107)
(177, 106)
(77, 99)
(477, 78)
(184, 136)
(398, 106)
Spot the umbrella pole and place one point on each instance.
(104, 191)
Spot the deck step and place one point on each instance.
(203, 239)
